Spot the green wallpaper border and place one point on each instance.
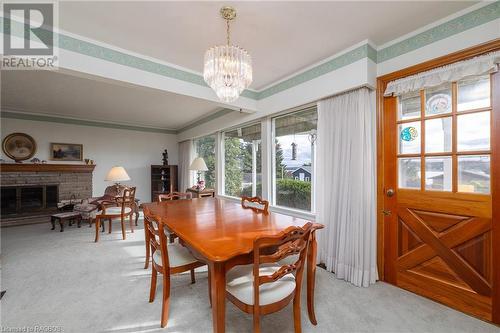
(92, 123)
(462, 23)
(467, 21)
(454, 26)
(200, 121)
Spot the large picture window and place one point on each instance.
(205, 147)
(242, 161)
(294, 138)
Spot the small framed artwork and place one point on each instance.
(66, 152)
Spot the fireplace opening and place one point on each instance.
(26, 200)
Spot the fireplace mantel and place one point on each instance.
(20, 167)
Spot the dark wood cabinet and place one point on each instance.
(163, 180)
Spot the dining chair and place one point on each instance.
(168, 259)
(265, 286)
(255, 203)
(173, 196)
(122, 207)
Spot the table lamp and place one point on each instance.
(117, 174)
(198, 165)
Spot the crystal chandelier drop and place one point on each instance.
(228, 68)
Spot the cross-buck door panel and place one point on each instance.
(439, 233)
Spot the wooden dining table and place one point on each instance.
(221, 233)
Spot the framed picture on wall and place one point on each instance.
(66, 152)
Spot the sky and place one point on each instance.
(303, 149)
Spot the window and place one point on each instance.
(205, 147)
(242, 161)
(451, 124)
(294, 137)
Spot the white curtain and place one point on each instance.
(185, 159)
(346, 186)
(483, 64)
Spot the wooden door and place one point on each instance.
(437, 193)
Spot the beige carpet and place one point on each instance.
(68, 281)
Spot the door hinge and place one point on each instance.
(386, 212)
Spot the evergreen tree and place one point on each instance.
(233, 166)
(206, 150)
(280, 167)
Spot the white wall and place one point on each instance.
(133, 150)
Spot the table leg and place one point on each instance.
(61, 224)
(218, 290)
(97, 222)
(311, 277)
(53, 222)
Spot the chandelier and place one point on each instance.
(227, 68)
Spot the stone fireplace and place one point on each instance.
(30, 192)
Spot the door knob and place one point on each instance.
(389, 192)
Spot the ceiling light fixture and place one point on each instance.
(227, 68)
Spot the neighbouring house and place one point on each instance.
(302, 173)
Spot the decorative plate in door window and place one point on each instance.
(409, 133)
(439, 103)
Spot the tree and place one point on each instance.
(280, 167)
(206, 149)
(233, 166)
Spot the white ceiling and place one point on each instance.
(90, 98)
(282, 37)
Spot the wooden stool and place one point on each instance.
(68, 216)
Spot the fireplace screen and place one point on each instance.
(25, 200)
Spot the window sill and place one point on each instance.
(278, 209)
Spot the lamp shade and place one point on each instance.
(117, 174)
(198, 165)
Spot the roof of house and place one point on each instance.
(306, 168)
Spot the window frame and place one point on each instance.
(222, 146)
(272, 202)
(454, 153)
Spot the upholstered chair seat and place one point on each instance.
(240, 285)
(178, 255)
(115, 211)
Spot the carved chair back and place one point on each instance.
(157, 240)
(271, 249)
(127, 199)
(255, 203)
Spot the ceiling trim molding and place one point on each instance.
(206, 119)
(81, 122)
(452, 27)
(361, 52)
(449, 28)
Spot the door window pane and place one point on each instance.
(438, 100)
(409, 173)
(409, 106)
(474, 174)
(294, 139)
(205, 147)
(474, 93)
(409, 138)
(473, 131)
(438, 173)
(438, 135)
(242, 161)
